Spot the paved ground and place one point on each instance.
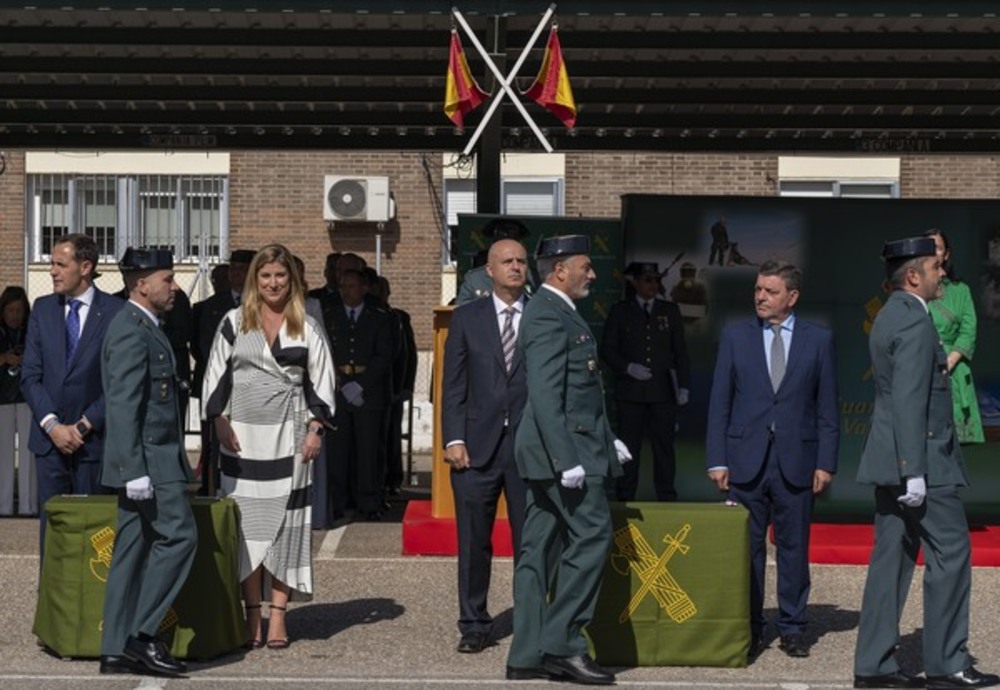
(381, 620)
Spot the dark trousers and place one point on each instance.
(940, 526)
(155, 543)
(657, 420)
(770, 498)
(477, 491)
(59, 474)
(394, 447)
(322, 496)
(354, 465)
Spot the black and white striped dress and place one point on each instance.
(269, 395)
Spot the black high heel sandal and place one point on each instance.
(281, 642)
(254, 643)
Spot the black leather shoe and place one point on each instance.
(757, 647)
(373, 516)
(969, 678)
(152, 655)
(116, 664)
(515, 673)
(580, 668)
(472, 642)
(794, 646)
(897, 679)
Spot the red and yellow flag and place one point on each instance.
(462, 94)
(551, 88)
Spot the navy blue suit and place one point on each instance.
(72, 391)
(772, 443)
(482, 404)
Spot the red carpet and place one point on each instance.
(424, 535)
(852, 544)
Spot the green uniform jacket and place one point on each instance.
(564, 422)
(912, 431)
(144, 430)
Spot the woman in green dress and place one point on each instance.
(955, 319)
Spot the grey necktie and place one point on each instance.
(777, 358)
(507, 338)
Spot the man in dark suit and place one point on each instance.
(404, 374)
(61, 374)
(483, 397)
(361, 339)
(773, 438)
(913, 459)
(206, 316)
(145, 462)
(644, 345)
(565, 451)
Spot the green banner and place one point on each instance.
(837, 243)
(676, 587)
(605, 252)
(204, 622)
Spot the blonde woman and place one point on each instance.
(269, 390)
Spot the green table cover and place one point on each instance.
(676, 587)
(205, 621)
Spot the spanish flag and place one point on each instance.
(551, 88)
(462, 94)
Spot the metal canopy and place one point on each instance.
(888, 77)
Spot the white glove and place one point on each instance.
(574, 478)
(140, 489)
(622, 450)
(916, 492)
(353, 393)
(683, 395)
(640, 372)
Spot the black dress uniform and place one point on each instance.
(653, 339)
(362, 353)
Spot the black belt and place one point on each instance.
(351, 369)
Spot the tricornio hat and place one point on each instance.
(564, 245)
(641, 268)
(242, 256)
(143, 259)
(505, 228)
(908, 248)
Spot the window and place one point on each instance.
(853, 189)
(186, 214)
(518, 197)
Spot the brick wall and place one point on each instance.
(595, 181)
(278, 196)
(12, 221)
(949, 177)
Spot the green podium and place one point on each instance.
(676, 589)
(205, 621)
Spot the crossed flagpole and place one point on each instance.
(505, 82)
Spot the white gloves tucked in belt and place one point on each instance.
(353, 393)
(574, 478)
(916, 492)
(622, 450)
(683, 395)
(640, 372)
(140, 489)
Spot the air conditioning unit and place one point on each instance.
(357, 199)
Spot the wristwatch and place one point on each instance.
(319, 431)
(82, 428)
